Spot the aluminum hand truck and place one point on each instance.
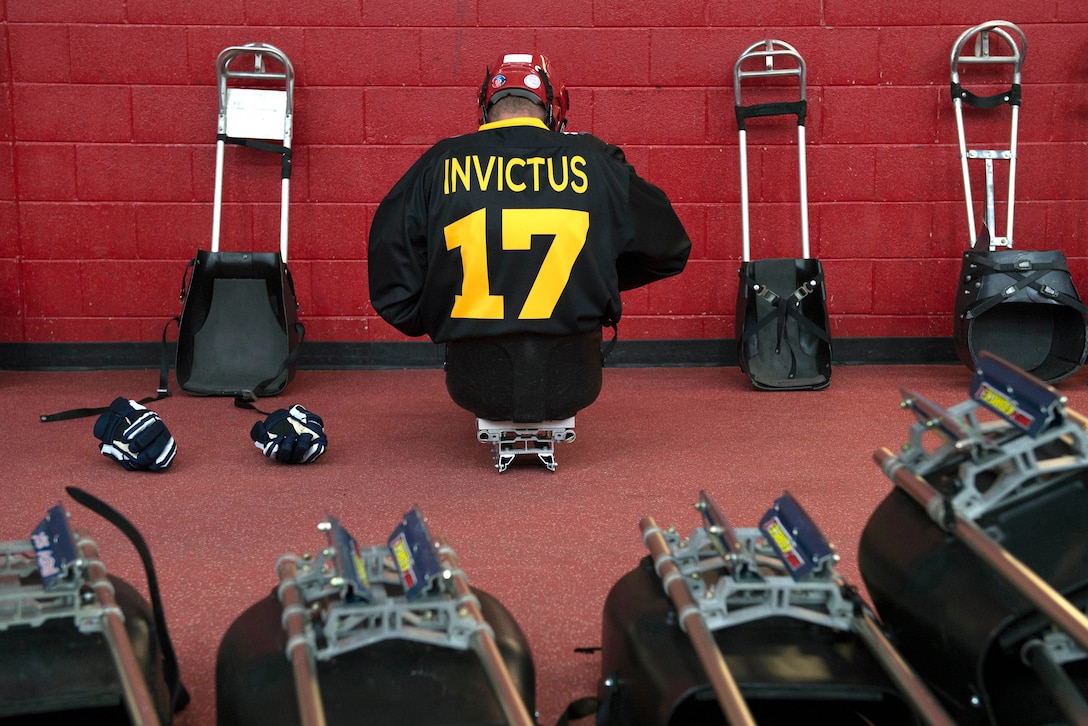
(1019, 305)
(782, 329)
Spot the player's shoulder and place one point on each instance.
(594, 144)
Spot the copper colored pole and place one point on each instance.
(311, 711)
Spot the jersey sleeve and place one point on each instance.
(659, 245)
(397, 255)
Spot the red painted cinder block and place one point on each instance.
(329, 231)
(906, 287)
(74, 231)
(972, 12)
(10, 305)
(693, 173)
(112, 172)
(723, 232)
(915, 56)
(337, 329)
(206, 42)
(670, 327)
(893, 326)
(94, 329)
(1052, 171)
(460, 55)
(864, 230)
(407, 115)
(697, 56)
(45, 172)
(848, 286)
(658, 116)
(286, 12)
(764, 15)
(600, 57)
(65, 11)
(126, 287)
(541, 13)
(29, 64)
(693, 217)
(626, 14)
(699, 290)
(340, 288)
(329, 116)
(171, 114)
(70, 112)
(917, 173)
(52, 288)
(837, 13)
(10, 243)
(7, 172)
(364, 174)
(359, 57)
(128, 54)
(192, 12)
(175, 231)
(879, 115)
(250, 175)
(420, 14)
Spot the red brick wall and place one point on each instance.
(107, 146)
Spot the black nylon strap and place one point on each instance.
(1011, 97)
(161, 393)
(782, 108)
(246, 398)
(285, 165)
(179, 697)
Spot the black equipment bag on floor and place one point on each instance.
(781, 325)
(784, 668)
(388, 682)
(239, 334)
(239, 330)
(1021, 306)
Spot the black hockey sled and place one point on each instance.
(1023, 307)
(782, 329)
(77, 644)
(389, 634)
(743, 626)
(977, 561)
(239, 333)
(1019, 306)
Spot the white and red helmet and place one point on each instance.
(529, 76)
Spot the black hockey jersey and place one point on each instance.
(517, 229)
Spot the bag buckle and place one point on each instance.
(805, 290)
(766, 293)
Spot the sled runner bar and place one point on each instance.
(138, 701)
(300, 650)
(982, 35)
(924, 704)
(779, 59)
(1032, 587)
(730, 700)
(253, 116)
(483, 641)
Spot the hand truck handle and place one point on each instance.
(982, 55)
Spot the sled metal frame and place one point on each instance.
(981, 55)
(324, 616)
(83, 593)
(1016, 457)
(509, 440)
(789, 64)
(721, 577)
(254, 112)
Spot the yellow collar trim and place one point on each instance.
(506, 123)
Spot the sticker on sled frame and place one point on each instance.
(1018, 397)
(414, 553)
(799, 543)
(54, 547)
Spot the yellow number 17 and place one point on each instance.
(569, 227)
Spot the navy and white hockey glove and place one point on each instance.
(135, 437)
(294, 436)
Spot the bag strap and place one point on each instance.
(246, 399)
(160, 393)
(179, 696)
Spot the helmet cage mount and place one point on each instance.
(527, 76)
